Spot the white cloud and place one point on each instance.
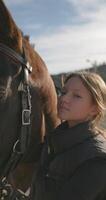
(72, 46)
(83, 5)
(87, 9)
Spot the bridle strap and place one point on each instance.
(22, 143)
(26, 121)
(15, 56)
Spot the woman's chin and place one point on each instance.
(61, 116)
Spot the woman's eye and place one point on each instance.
(77, 96)
(63, 93)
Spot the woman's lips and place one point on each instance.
(62, 108)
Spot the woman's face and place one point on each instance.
(75, 104)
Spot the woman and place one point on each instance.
(73, 160)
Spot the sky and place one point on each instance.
(68, 34)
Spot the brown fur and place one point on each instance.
(44, 101)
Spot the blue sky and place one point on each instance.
(68, 34)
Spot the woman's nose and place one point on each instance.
(65, 98)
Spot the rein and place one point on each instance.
(20, 146)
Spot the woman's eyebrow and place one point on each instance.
(76, 90)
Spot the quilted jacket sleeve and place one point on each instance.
(87, 183)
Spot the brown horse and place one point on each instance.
(28, 101)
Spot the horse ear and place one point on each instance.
(10, 35)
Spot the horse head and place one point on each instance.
(20, 63)
(10, 72)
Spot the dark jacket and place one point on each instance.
(72, 166)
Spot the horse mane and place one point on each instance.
(10, 34)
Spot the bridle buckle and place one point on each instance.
(26, 117)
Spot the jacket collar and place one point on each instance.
(64, 138)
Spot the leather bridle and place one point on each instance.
(20, 146)
(4, 49)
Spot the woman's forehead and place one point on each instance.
(76, 84)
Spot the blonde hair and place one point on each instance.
(97, 88)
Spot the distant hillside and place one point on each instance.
(100, 69)
(59, 78)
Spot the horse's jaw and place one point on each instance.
(9, 131)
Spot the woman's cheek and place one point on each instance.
(59, 103)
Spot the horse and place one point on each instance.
(28, 103)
